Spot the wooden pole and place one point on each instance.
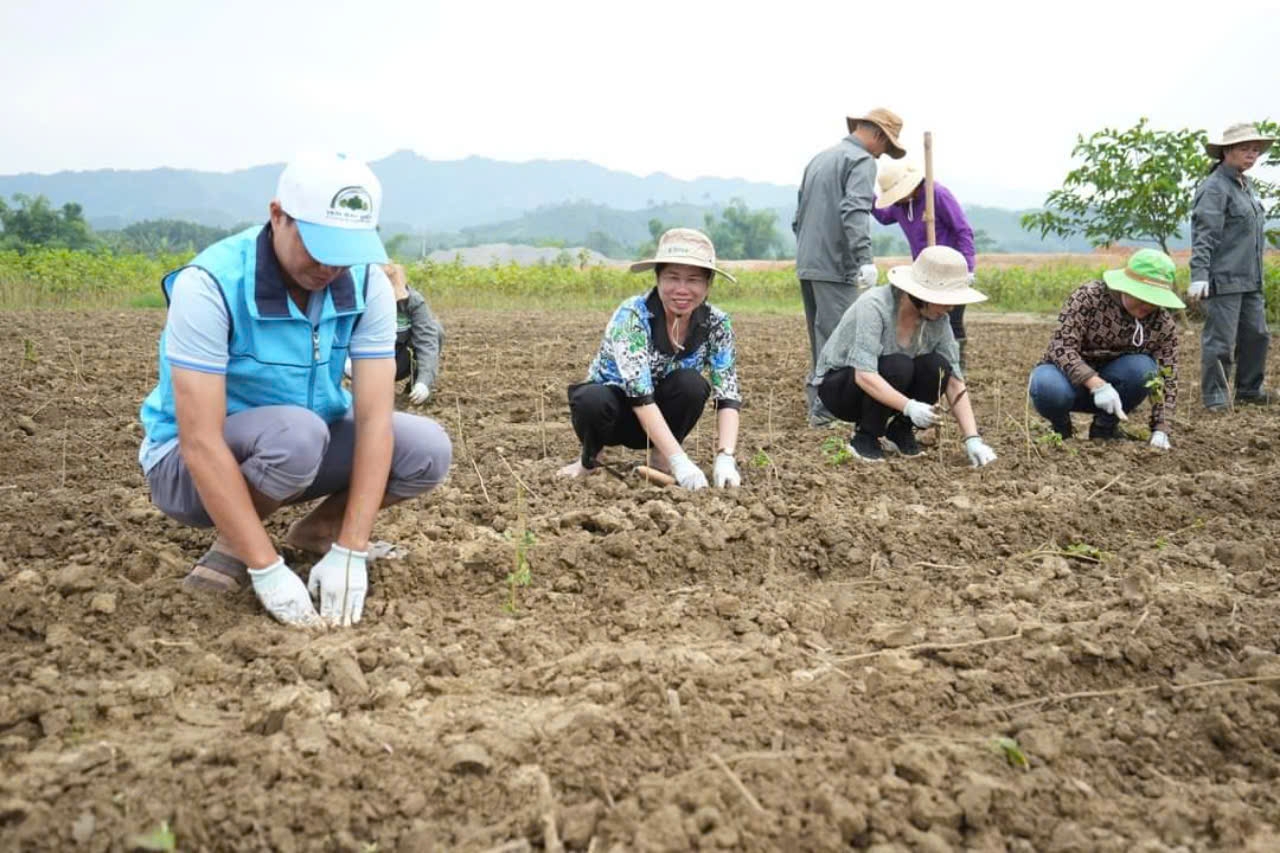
(930, 231)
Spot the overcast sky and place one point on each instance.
(734, 89)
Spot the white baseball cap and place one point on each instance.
(335, 200)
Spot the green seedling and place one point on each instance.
(1013, 753)
(523, 537)
(835, 451)
(1084, 550)
(159, 840)
(1155, 384)
(761, 460)
(1161, 543)
(1050, 439)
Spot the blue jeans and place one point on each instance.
(1055, 398)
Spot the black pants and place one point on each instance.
(602, 416)
(404, 361)
(956, 315)
(920, 378)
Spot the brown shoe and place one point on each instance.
(216, 572)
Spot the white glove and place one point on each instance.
(340, 580)
(980, 453)
(1159, 440)
(346, 368)
(868, 275)
(688, 475)
(1198, 290)
(922, 414)
(725, 472)
(1107, 398)
(284, 595)
(419, 394)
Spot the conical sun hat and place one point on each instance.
(939, 275)
(896, 182)
(1148, 276)
(1235, 134)
(687, 246)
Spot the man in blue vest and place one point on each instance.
(250, 412)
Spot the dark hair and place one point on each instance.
(876, 129)
(658, 268)
(1222, 158)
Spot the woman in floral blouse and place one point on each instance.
(645, 387)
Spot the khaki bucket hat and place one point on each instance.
(684, 246)
(1235, 134)
(939, 275)
(896, 182)
(1148, 276)
(886, 120)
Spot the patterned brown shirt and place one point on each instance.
(1094, 329)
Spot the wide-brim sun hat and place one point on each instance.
(897, 181)
(335, 201)
(1234, 135)
(1148, 276)
(939, 275)
(687, 246)
(886, 120)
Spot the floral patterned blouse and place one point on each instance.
(637, 352)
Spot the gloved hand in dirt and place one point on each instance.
(284, 595)
(340, 581)
(419, 394)
(868, 275)
(979, 452)
(688, 475)
(1159, 440)
(922, 414)
(1107, 398)
(725, 472)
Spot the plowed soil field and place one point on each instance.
(826, 658)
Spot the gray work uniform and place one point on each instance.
(833, 241)
(1227, 240)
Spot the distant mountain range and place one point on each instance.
(461, 202)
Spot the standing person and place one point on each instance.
(645, 387)
(419, 337)
(1113, 338)
(902, 191)
(250, 413)
(834, 261)
(892, 356)
(1227, 241)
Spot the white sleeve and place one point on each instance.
(195, 333)
(375, 335)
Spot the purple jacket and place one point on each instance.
(950, 226)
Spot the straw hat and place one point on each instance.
(939, 275)
(1235, 134)
(897, 181)
(886, 120)
(684, 246)
(1148, 276)
(399, 282)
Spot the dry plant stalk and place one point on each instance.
(462, 436)
(542, 420)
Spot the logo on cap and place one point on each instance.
(351, 204)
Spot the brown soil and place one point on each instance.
(777, 668)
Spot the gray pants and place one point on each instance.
(1235, 330)
(824, 304)
(289, 454)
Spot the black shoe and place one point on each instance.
(1105, 432)
(866, 447)
(1064, 429)
(1263, 399)
(900, 437)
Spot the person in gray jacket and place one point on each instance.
(419, 337)
(1227, 240)
(833, 231)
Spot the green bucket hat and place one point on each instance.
(1148, 276)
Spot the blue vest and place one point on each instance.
(277, 357)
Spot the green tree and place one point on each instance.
(889, 244)
(1134, 184)
(158, 236)
(647, 250)
(35, 222)
(1269, 191)
(743, 233)
(984, 242)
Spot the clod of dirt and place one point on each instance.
(1239, 555)
(919, 764)
(468, 758)
(851, 820)
(578, 823)
(345, 676)
(25, 424)
(75, 578)
(82, 829)
(152, 684)
(104, 603)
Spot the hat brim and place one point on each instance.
(342, 247)
(1150, 293)
(1215, 149)
(901, 188)
(893, 149)
(641, 266)
(901, 278)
